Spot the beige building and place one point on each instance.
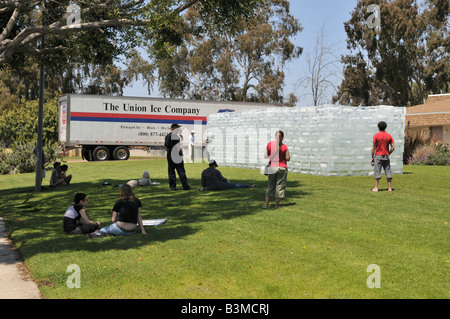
(432, 117)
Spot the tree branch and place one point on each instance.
(184, 7)
(30, 34)
(17, 3)
(10, 25)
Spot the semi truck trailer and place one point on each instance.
(106, 127)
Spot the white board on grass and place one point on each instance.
(154, 222)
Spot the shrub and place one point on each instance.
(432, 154)
(20, 124)
(413, 141)
(21, 159)
(440, 156)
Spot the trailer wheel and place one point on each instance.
(100, 153)
(121, 153)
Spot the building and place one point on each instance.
(432, 117)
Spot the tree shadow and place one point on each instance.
(34, 220)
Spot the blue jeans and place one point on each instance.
(114, 230)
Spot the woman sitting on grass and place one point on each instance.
(126, 214)
(59, 175)
(75, 218)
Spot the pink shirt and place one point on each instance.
(279, 159)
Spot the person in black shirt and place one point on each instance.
(75, 218)
(212, 179)
(126, 214)
(175, 158)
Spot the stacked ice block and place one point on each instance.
(325, 140)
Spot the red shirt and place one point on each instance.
(382, 140)
(279, 159)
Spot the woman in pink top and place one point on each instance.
(279, 156)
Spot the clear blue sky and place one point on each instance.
(312, 14)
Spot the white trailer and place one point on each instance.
(107, 126)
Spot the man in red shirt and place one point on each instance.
(383, 146)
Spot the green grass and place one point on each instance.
(224, 245)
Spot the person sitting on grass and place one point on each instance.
(212, 179)
(59, 175)
(64, 176)
(125, 215)
(75, 219)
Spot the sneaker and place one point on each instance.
(264, 206)
(95, 234)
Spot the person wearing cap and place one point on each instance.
(192, 146)
(212, 179)
(175, 158)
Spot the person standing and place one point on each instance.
(192, 146)
(383, 146)
(175, 158)
(279, 156)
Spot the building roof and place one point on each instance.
(435, 112)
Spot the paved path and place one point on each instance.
(14, 282)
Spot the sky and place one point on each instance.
(313, 15)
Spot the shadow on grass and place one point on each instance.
(34, 220)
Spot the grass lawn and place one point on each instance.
(225, 245)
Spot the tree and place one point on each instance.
(94, 33)
(322, 70)
(359, 86)
(407, 54)
(25, 21)
(20, 125)
(238, 62)
(104, 31)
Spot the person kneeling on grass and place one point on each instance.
(126, 214)
(212, 179)
(75, 218)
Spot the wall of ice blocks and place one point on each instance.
(326, 140)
